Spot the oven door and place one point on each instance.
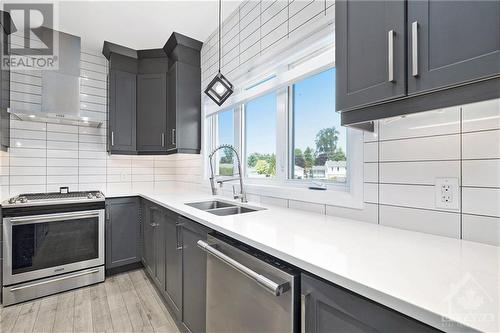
(39, 246)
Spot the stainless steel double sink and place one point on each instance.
(221, 208)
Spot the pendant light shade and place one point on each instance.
(219, 89)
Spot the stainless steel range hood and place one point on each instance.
(60, 88)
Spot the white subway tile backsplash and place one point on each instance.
(482, 173)
(62, 145)
(62, 162)
(370, 173)
(370, 152)
(371, 192)
(27, 134)
(481, 116)
(433, 222)
(61, 170)
(274, 201)
(27, 180)
(27, 170)
(445, 147)
(481, 229)
(27, 143)
(478, 145)
(369, 213)
(436, 122)
(61, 153)
(26, 152)
(481, 201)
(58, 136)
(419, 173)
(62, 128)
(415, 196)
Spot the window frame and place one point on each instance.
(281, 77)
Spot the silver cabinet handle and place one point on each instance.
(303, 309)
(112, 138)
(163, 139)
(390, 55)
(271, 286)
(55, 280)
(178, 235)
(173, 136)
(414, 48)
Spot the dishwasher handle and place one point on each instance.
(275, 288)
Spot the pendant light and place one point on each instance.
(219, 89)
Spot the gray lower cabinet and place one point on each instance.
(148, 238)
(370, 52)
(159, 222)
(327, 308)
(452, 42)
(122, 112)
(123, 232)
(152, 106)
(173, 263)
(194, 276)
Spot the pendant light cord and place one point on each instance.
(220, 24)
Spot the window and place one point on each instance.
(317, 140)
(260, 136)
(225, 135)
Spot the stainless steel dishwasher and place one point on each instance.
(248, 291)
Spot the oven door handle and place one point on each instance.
(54, 217)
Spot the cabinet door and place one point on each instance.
(173, 255)
(122, 111)
(148, 252)
(330, 309)
(159, 221)
(122, 232)
(370, 52)
(452, 42)
(194, 276)
(151, 112)
(172, 107)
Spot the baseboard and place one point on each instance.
(124, 268)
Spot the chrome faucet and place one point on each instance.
(242, 195)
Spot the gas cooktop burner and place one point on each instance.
(55, 197)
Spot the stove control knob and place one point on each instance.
(23, 199)
(90, 196)
(98, 195)
(12, 200)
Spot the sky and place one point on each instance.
(314, 109)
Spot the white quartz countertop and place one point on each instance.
(447, 283)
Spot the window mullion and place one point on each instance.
(281, 134)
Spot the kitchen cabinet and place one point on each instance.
(184, 108)
(451, 43)
(173, 263)
(327, 308)
(122, 112)
(161, 112)
(6, 28)
(123, 232)
(442, 53)
(194, 276)
(370, 52)
(148, 238)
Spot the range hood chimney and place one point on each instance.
(61, 87)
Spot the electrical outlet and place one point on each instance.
(447, 193)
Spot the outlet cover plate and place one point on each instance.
(447, 193)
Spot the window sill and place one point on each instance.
(332, 196)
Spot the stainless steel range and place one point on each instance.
(52, 242)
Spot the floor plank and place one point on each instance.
(126, 302)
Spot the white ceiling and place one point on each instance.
(139, 24)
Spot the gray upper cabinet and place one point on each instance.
(194, 276)
(152, 116)
(123, 241)
(6, 28)
(330, 309)
(184, 95)
(452, 43)
(370, 52)
(173, 260)
(122, 112)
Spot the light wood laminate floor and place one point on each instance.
(126, 302)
